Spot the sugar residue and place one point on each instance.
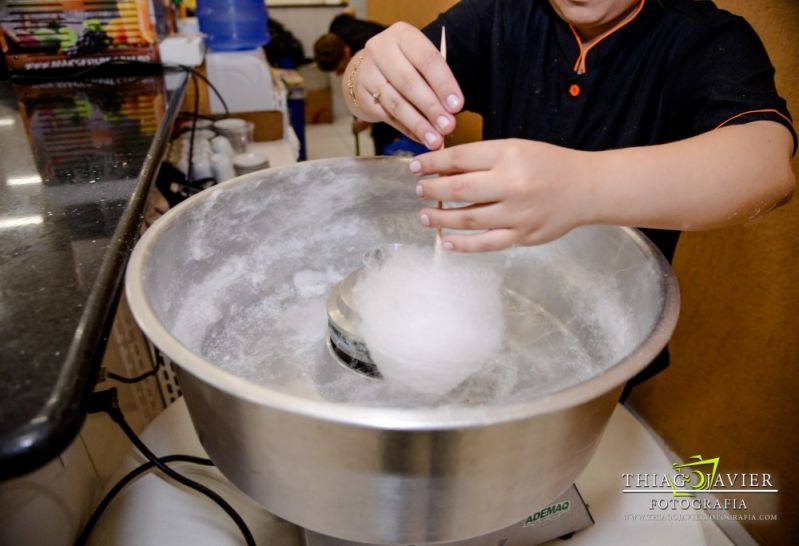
(248, 275)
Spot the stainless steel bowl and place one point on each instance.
(231, 285)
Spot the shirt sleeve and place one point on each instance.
(726, 79)
(468, 25)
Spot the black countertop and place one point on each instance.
(76, 162)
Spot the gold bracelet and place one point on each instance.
(351, 79)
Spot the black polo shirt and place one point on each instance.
(676, 69)
(356, 32)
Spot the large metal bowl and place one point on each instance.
(376, 470)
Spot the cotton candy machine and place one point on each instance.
(235, 285)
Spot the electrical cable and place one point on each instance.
(108, 402)
(195, 115)
(209, 84)
(131, 380)
(190, 166)
(129, 477)
(135, 379)
(188, 482)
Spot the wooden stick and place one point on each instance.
(439, 204)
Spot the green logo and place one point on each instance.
(698, 475)
(546, 513)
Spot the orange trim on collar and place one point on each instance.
(761, 111)
(579, 65)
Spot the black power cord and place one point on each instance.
(190, 166)
(129, 477)
(135, 379)
(108, 401)
(131, 380)
(202, 76)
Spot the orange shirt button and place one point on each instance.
(574, 90)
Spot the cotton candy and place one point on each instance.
(431, 321)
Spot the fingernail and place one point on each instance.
(415, 166)
(419, 190)
(448, 246)
(453, 101)
(430, 138)
(425, 219)
(443, 122)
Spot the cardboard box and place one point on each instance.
(268, 124)
(318, 106)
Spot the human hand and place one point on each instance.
(401, 79)
(517, 192)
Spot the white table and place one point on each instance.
(280, 152)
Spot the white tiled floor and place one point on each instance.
(336, 140)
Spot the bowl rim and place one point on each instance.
(445, 417)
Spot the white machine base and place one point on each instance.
(154, 510)
(561, 518)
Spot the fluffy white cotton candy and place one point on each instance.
(428, 321)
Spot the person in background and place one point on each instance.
(284, 50)
(333, 51)
(657, 114)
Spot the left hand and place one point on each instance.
(517, 192)
(400, 78)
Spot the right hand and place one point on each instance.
(415, 90)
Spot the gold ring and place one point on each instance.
(377, 94)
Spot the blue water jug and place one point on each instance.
(233, 25)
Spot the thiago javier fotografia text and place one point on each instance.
(682, 489)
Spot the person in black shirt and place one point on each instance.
(658, 114)
(332, 53)
(346, 36)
